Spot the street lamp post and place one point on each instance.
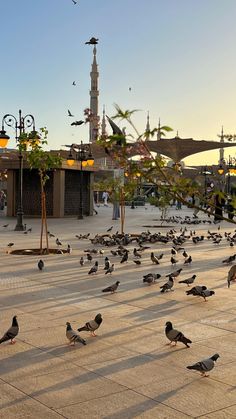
(82, 153)
(19, 125)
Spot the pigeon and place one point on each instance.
(112, 288)
(74, 1)
(154, 259)
(29, 230)
(74, 83)
(206, 293)
(69, 249)
(151, 278)
(229, 259)
(81, 261)
(231, 275)
(185, 254)
(110, 269)
(12, 332)
(124, 257)
(168, 285)
(196, 290)
(188, 281)
(175, 273)
(188, 260)
(69, 113)
(175, 336)
(40, 264)
(136, 253)
(50, 234)
(92, 325)
(89, 257)
(205, 365)
(109, 229)
(107, 264)
(5, 225)
(173, 251)
(76, 123)
(173, 261)
(137, 262)
(159, 257)
(58, 242)
(94, 268)
(92, 41)
(10, 244)
(72, 336)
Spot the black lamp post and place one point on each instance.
(205, 172)
(83, 154)
(19, 125)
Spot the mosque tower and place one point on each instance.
(103, 125)
(221, 156)
(94, 93)
(147, 131)
(159, 130)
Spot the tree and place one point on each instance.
(170, 181)
(43, 161)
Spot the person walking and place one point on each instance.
(105, 197)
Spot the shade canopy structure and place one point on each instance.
(178, 148)
(175, 148)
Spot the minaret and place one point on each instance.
(159, 130)
(147, 131)
(221, 149)
(94, 93)
(104, 132)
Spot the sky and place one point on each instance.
(178, 57)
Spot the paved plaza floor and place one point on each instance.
(127, 371)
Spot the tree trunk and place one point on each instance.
(122, 210)
(42, 215)
(45, 220)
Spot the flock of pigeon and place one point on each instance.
(125, 254)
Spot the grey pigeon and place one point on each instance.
(40, 264)
(72, 336)
(110, 269)
(188, 260)
(81, 261)
(112, 288)
(205, 366)
(231, 275)
(107, 264)
(175, 273)
(175, 336)
(229, 259)
(168, 285)
(154, 259)
(207, 293)
(94, 268)
(77, 123)
(151, 278)
(188, 281)
(92, 325)
(124, 257)
(12, 332)
(137, 262)
(196, 290)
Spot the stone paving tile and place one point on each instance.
(126, 404)
(227, 413)
(15, 404)
(59, 389)
(192, 395)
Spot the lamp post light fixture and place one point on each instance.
(19, 125)
(82, 153)
(228, 168)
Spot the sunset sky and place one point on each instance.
(178, 57)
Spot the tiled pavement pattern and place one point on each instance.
(127, 371)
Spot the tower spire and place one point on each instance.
(147, 128)
(159, 130)
(104, 132)
(222, 136)
(94, 93)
